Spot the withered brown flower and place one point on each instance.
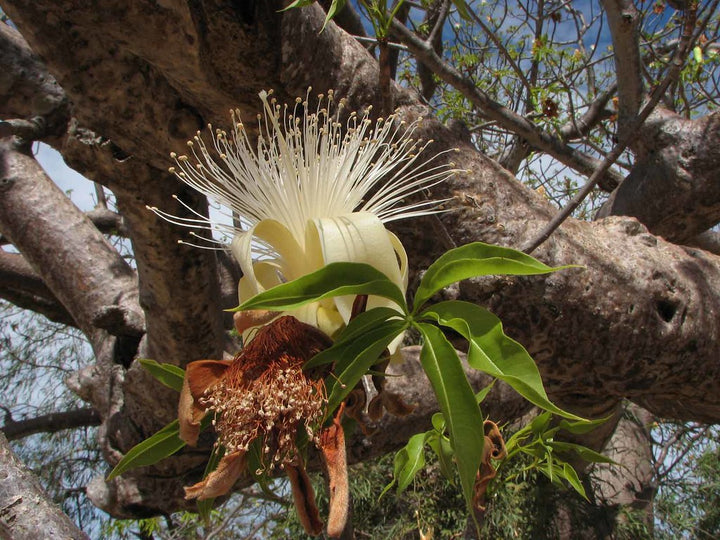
(264, 394)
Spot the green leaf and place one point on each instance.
(583, 426)
(161, 445)
(591, 456)
(367, 321)
(332, 11)
(473, 260)
(491, 351)
(335, 279)
(438, 422)
(698, 54)
(298, 4)
(205, 506)
(540, 424)
(170, 375)
(411, 461)
(462, 9)
(571, 476)
(354, 358)
(441, 446)
(482, 394)
(457, 403)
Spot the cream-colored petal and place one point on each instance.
(357, 237)
(241, 248)
(291, 254)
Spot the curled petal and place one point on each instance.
(304, 498)
(245, 320)
(221, 480)
(496, 447)
(357, 237)
(199, 376)
(332, 446)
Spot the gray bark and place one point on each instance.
(637, 321)
(26, 512)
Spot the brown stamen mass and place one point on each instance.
(265, 394)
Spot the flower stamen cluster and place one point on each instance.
(271, 406)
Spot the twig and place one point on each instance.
(620, 147)
(495, 111)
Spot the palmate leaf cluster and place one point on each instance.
(458, 434)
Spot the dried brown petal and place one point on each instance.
(332, 446)
(245, 320)
(221, 480)
(494, 448)
(304, 498)
(199, 376)
(395, 405)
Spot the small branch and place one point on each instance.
(499, 113)
(108, 222)
(579, 127)
(22, 286)
(50, 423)
(623, 20)
(70, 251)
(619, 148)
(26, 511)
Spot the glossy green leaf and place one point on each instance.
(170, 375)
(354, 358)
(482, 394)
(336, 279)
(581, 427)
(540, 423)
(358, 328)
(472, 260)
(335, 7)
(443, 450)
(571, 476)
(457, 403)
(161, 445)
(366, 321)
(591, 456)
(491, 351)
(298, 4)
(411, 461)
(438, 422)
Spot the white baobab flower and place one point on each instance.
(313, 191)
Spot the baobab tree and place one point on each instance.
(116, 87)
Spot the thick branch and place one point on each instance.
(77, 264)
(108, 222)
(26, 511)
(50, 423)
(28, 90)
(675, 190)
(580, 324)
(21, 285)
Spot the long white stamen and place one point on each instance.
(307, 165)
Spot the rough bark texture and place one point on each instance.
(638, 321)
(26, 513)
